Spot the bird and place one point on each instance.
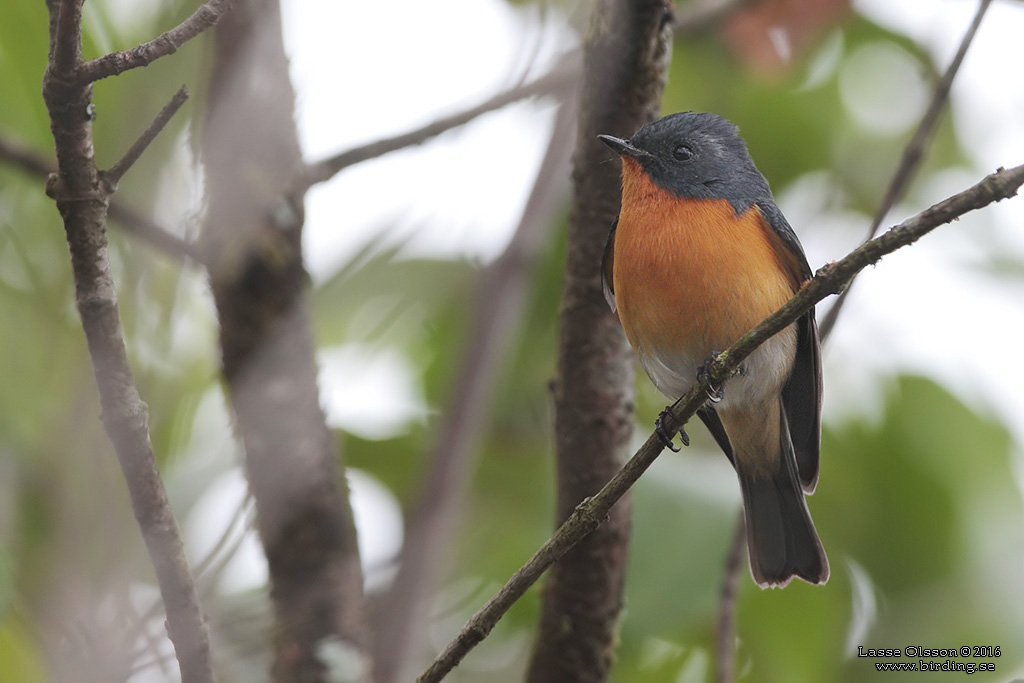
(699, 254)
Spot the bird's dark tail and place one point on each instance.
(781, 539)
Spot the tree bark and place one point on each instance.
(252, 245)
(626, 58)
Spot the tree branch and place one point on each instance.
(25, 158)
(165, 44)
(149, 231)
(561, 77)
(82, 199)
(115, 172)
(129, 218)
(725, 629)
(913, 153)
(829, 279)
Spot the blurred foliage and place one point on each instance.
(920, 510)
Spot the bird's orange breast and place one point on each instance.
(691, 275)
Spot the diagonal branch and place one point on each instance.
(912, 154)
(115, 172)
(557, 80)
(562, 76)
(165, 44)
(130, 219)
(829, 279)
(146, 229)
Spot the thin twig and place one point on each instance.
(561, 76)
(115, 172)
(165, 44)
(129, 218)
(829, 279)
(556, 80)
(237, 516)
(912, 155)
(725, 629)
(201, 567)
(139, 625)
(149, 231)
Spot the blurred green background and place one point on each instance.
(919, 503)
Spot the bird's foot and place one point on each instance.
(715, 395)
(664, 436)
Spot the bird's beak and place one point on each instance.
(623, 147)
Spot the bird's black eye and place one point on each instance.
(682, 153)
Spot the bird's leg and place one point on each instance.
(714, 395)
(664, 436)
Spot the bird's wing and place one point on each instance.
(801, 396)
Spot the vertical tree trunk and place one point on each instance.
(252, 241)
(625, 63)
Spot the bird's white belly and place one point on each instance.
(761, 375)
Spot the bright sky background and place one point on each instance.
(926, 309)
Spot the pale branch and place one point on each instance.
(157, 237)
(829, 279)
(252, 232)
(560, 78)
(133, 221)
(82, 200)
(165, 44)
(913, 153)
(117, 171)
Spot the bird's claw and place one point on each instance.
(715, 395)
(664, 436)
